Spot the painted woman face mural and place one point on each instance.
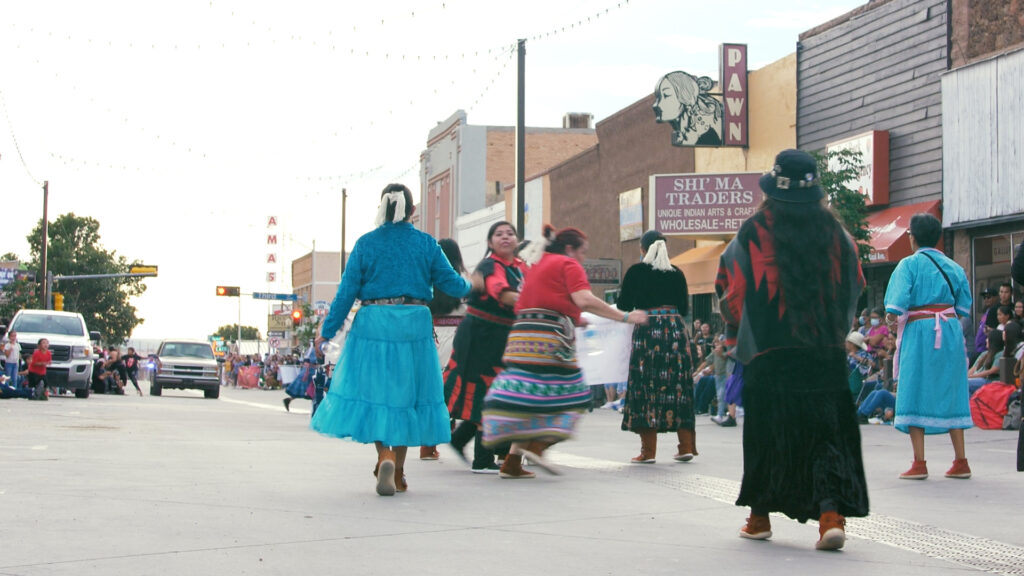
(683, 101)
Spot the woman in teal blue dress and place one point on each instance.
(387, 388)
(926, 293)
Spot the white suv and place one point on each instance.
(70, 346)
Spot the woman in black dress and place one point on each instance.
(480, 342)
(659, 396)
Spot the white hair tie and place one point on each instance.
(398, 197)
(657, 256)
(535, 250)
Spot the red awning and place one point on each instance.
(888, 228)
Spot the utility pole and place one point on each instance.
(46, 232)
(521, 140)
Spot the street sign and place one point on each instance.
(275, 334)
(275, 342)
(273, 296)
(279, 322)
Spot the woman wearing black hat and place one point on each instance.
(789, 283)
(659, 396)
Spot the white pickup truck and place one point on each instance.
(70, 346)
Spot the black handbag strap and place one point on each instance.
(944, 276)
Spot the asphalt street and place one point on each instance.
(183, 485)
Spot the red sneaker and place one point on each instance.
(831, 532)
(918, 471)
(960, 469)
(757, 528)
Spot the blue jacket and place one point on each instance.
(393, 260)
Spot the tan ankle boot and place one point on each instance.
(687, 447)
(648, 447)
(512, 468)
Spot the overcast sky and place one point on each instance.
(181, 126)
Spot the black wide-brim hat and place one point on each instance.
(794, 178)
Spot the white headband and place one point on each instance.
(398, 197)
(657, 256)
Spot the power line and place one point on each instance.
(14, 137)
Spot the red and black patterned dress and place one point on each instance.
(480, 339)
(660, 391)
(801, 442)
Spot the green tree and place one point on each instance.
(73, 248)
(229, 332)
(836, 170)
(18, 294)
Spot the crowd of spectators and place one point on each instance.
(870, 349)
(269, 364)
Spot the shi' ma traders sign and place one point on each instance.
(702, 204)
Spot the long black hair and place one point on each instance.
(443, 304)
(811, 254)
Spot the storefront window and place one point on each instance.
(992, 258)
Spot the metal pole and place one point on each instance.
(239, 325)
(521, 140)
(46, 232)
(344, 198)
(312, 274)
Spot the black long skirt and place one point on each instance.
(801, 441)
(476, 359)
(660, 390)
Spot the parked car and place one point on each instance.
(183, 364)
(70, 345)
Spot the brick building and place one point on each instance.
(584, 191)
(466, 168)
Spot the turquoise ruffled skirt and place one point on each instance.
(387, 385)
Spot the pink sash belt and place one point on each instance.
(940, 313)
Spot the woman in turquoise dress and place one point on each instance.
(387, 386)
(926, 293)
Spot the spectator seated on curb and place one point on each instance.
(879, 405)
(986, 367)
(8, 391)
(861, 362)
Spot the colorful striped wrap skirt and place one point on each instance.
(541, 394)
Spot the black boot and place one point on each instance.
(483, 457)
(461, 436)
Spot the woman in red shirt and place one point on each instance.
(540, 395)
(37, 368)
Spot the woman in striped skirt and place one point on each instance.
(540, 395)
(659, 396)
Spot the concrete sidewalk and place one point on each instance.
(183, 485)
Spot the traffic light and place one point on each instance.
(228, 291)
(58, 301)
(296, 317)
